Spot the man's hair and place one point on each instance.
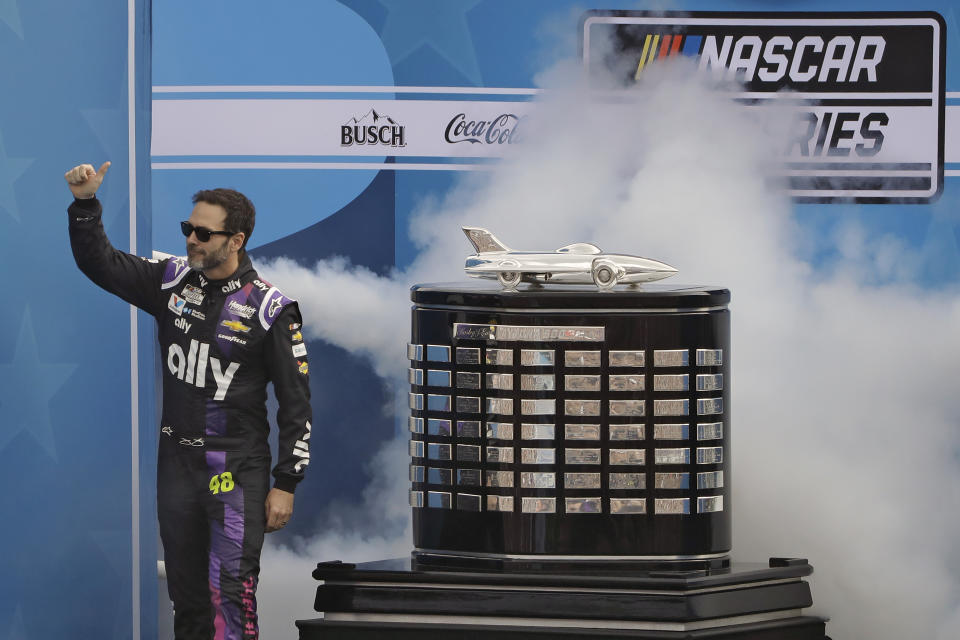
(241, 216)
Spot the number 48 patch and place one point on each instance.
(221, 483)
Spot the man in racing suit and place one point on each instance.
(224, 333)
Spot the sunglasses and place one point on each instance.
(203, 234)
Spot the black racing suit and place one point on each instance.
(221, 342)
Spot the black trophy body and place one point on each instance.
(569, 423)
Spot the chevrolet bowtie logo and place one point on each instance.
(234, 325)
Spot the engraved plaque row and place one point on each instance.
(589, 504)
(572, 358)
(443, 427)
(548, 406)
(616, 481)
(472, 380)
(572, 456)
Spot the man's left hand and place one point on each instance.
(279, 507)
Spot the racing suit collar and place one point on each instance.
(231, 282)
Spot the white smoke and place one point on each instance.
(844, 438)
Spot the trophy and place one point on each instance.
(570, 432)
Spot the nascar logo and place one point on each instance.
(865, 91)
(842, 58)
(657, 46)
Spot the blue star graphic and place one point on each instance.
(26, 388)
(10, 13)
(17, 630)
(411, 24)
(115, 546)
(10, 170)
(113, 140)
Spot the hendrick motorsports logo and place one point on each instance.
(373, 129)
(867, 89)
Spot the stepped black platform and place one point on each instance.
(402, 598)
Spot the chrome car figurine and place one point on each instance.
(580, 262)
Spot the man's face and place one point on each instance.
(211, 254)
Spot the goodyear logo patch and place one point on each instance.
(865, 89)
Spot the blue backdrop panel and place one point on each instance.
(67, 457)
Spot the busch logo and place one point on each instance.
(500, 130)
(192, 367)
(373, 128)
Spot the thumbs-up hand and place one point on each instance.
(84, 181)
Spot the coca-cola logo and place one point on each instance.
(500, 130)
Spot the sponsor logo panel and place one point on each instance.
(315, 128)
(193, 295)
(865, 90)
(275, 305)
(499, 129)
(235, 326)
(373, 128)
(176, 304)
(302, 449)
(191, 367)
(299, 350)
(242, 310)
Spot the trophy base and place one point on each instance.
(621, 565)
(402, 598)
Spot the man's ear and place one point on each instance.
(236, 240)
